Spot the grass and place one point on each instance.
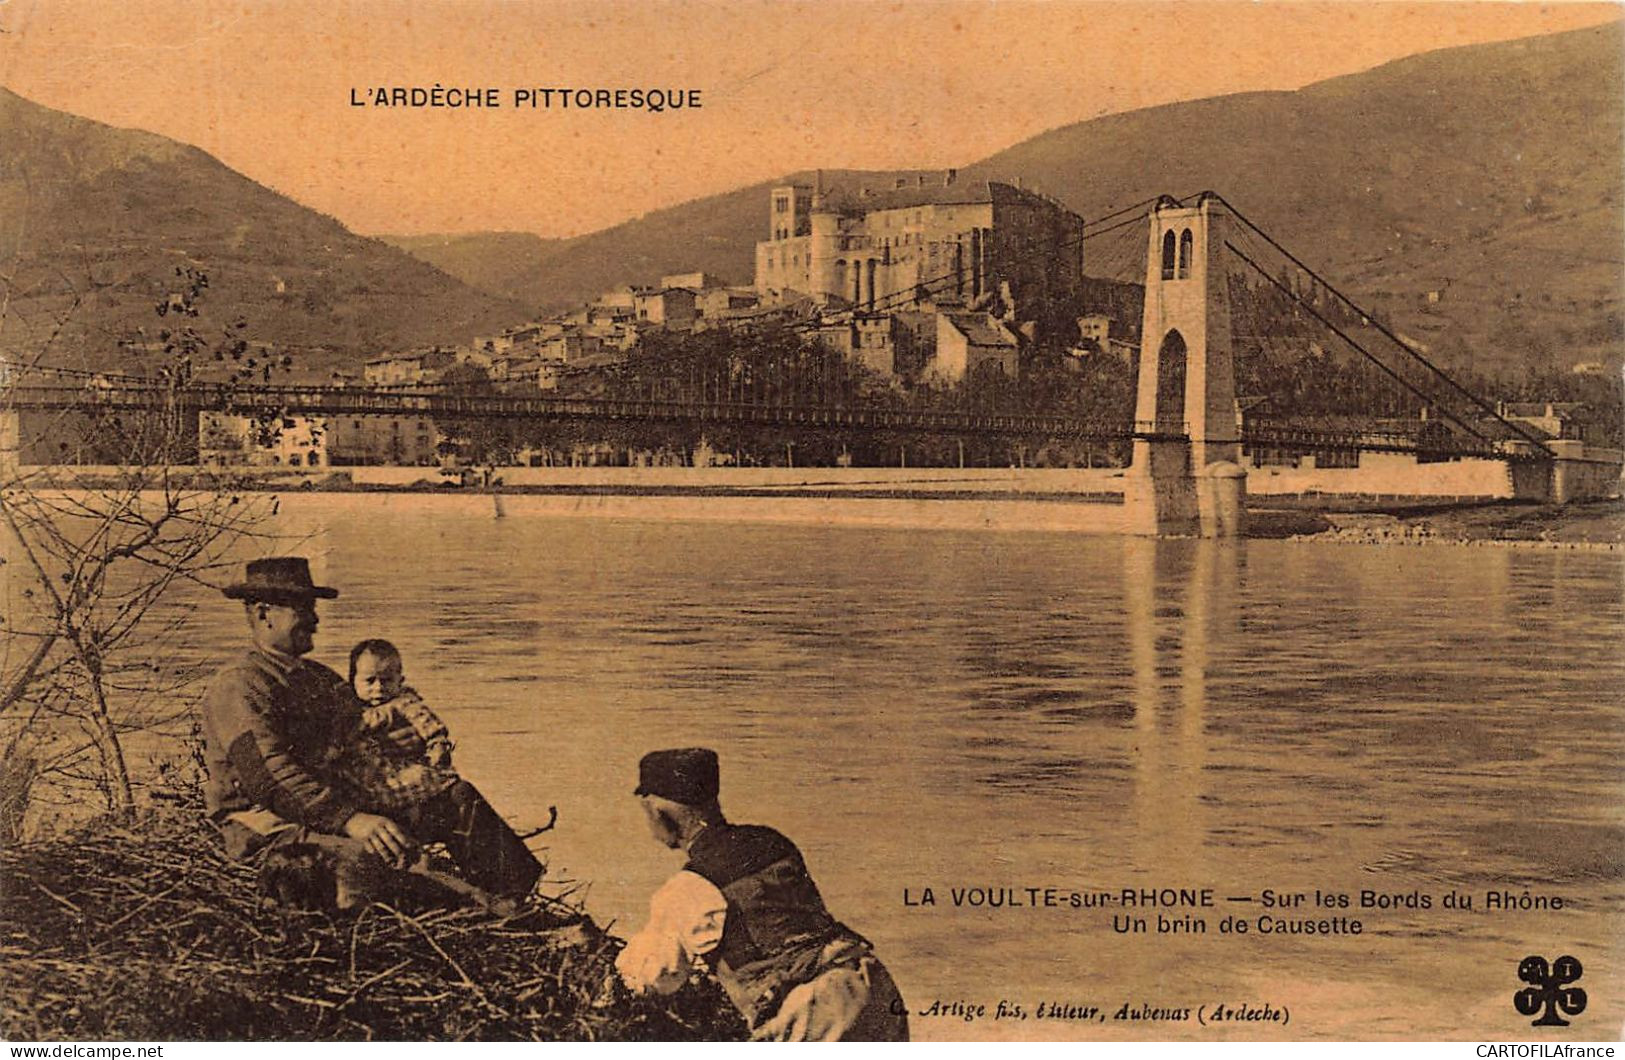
(150, 933)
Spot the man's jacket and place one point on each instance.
(269, 723)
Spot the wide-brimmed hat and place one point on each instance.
(687, 775)
(277, 579)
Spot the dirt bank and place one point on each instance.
(149, 933)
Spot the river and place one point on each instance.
(955, 710)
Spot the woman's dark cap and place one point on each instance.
(688, 775)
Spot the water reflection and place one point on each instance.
(1177, 602)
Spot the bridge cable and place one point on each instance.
(1379, 326)
(1426, 399)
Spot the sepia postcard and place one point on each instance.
(739, 519)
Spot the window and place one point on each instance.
(1168, 256)
(781, 204)
(1339, 458)
(1185, 244)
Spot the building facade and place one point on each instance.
(669, 307)
(407, 368)
(227, 439)
(969, 344)
(975, 241)
(399, 440)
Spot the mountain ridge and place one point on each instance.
(1473, 194)
(95, 220)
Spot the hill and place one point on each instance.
(1491, 174)
(94, 221)
(716, 234)
(496, 262)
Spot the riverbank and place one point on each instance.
(148, 933)
(998, 499)
(1592, 526)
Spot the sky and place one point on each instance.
(270, 88)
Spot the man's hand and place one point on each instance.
(382, 837)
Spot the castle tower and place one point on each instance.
(1186, 475)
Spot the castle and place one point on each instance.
(982, 244)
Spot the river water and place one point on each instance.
(1091, 714)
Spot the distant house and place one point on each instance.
(515, 368)
(718, 301)
(694, 281)
(621, 296)
(670, 307)
(870, 338)
(1561, 420)
(476, 356)
(406, 368)
(1095, 330)
(606, 316)
(295, 442)
(406, 439)
(571, 346)
(969, 344)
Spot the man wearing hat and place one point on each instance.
(271, 719)
(745, 907)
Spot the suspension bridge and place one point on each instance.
(1209, 275)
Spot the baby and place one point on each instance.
(400, 753)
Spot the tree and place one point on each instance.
(93, 560)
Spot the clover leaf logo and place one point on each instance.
(1549, 990)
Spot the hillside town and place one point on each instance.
(929, 282)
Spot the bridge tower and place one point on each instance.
(1186, 476)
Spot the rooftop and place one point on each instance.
(980, 329)
(958, 193)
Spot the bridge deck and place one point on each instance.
(355, 401)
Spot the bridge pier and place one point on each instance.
(1164, 494)
(1582, 473)
(1159, 491)
(1221, 499)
